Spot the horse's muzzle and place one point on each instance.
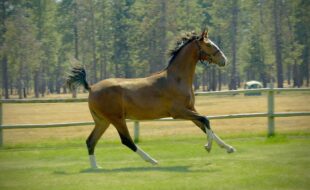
(222, 63)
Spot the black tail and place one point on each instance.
(77, 77)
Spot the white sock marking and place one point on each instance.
(145, 156)
(222, 144)
(92, 161)
(210, 139)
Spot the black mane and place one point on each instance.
(183, 41)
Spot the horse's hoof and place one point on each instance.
(96, 167)
(231, 150)
(154, 163)
(208, 148)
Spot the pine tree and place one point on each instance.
(3, 56)
(121, 56)
(22, 48)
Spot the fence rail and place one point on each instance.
(270, 114)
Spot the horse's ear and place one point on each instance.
(204, 34)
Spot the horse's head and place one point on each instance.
(209, 51)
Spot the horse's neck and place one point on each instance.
(182, 68)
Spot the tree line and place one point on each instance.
(264, 40)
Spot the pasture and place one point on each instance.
(276, 163)
(56, 158)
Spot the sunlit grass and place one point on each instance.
(281, 162)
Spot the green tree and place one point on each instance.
(254, 57)
(277, 8)
(105, 37)
(68, 27)
(3, 56)
(121, 54)
(223, 30)
(262, 39)
(302, 33)
(22, 48)
(44, 12)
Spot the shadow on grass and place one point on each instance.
(178, 169)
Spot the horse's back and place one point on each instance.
(140, 98)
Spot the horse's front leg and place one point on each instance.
(204, 124)
(212, 136)
(222, 144)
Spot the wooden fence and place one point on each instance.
(270, 114)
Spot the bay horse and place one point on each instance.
(168, 93)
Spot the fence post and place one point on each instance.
(136, 131)
(1, 130)
(270, 110)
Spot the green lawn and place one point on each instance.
(281, 162)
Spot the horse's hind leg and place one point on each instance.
(126, 139)
(100, 126)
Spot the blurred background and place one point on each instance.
(264, 40)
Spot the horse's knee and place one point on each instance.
(128, 142)
(205, 121)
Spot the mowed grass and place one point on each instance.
(280, 162)
(56, 158)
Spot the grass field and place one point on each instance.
(56, 158)
(281, 162)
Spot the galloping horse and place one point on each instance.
(168, 93)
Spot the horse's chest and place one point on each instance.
(190, 100)
(185, 99)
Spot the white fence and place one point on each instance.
(270, 114)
